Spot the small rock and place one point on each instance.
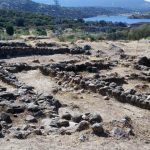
(97, 128)
(54, 122)
(32, 107)
(77, 118)
(16, 109)
(83, 138)
(95, 118)
(55, 90)
(0, 127)
(83, 125)
(87, 47)
(86, 116)
(66, 116)
(36, 61)
(106, 98)
(127, 121)
(25, 127)
(31, 119)
(118, 132)
(39, 114)
(5, 117)
(1, 135)
(63, 123)
(19, 135)
(38, 132)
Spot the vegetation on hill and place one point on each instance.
(142, 15)
(27, 23)
(67, 12)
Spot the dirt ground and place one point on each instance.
(87, 102)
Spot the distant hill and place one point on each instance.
(134, 4)
(69, 12)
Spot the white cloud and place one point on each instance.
(147, 0)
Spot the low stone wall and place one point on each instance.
(8, 51)
(14, 44)
(106, 86)
(9, 78)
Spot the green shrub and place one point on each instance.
(140, 32)
(10, 30)
(20, 22)
(41, 32)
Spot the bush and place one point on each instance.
(20, 22)
(10, 30)
(140, 32)
(22, 31)
(41, 31)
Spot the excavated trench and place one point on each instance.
(53, 93)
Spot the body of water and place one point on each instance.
(124, 19)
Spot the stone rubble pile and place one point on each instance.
(8, 50)
(105, 85)
(25, 113)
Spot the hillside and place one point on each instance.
(69, 12)
(134, 4)
(38, 24)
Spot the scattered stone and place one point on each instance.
(32, 107)
(45, 109)
(106, 98)
(77, 118)
(144, 61)
(63, 123)
(36, 61)
(31, 119)
(83, 138)
(54, 122)
(5, 117)
(97, 128)
(83, 125)
(119, 133)
(95, 118)
(7, 95)
(20, 135)
(0, 127)
(15, 109)
(38, 132)
(66, 116)
(1, 135)
(87, 47)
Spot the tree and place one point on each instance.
(10, 30)
(20, 22)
